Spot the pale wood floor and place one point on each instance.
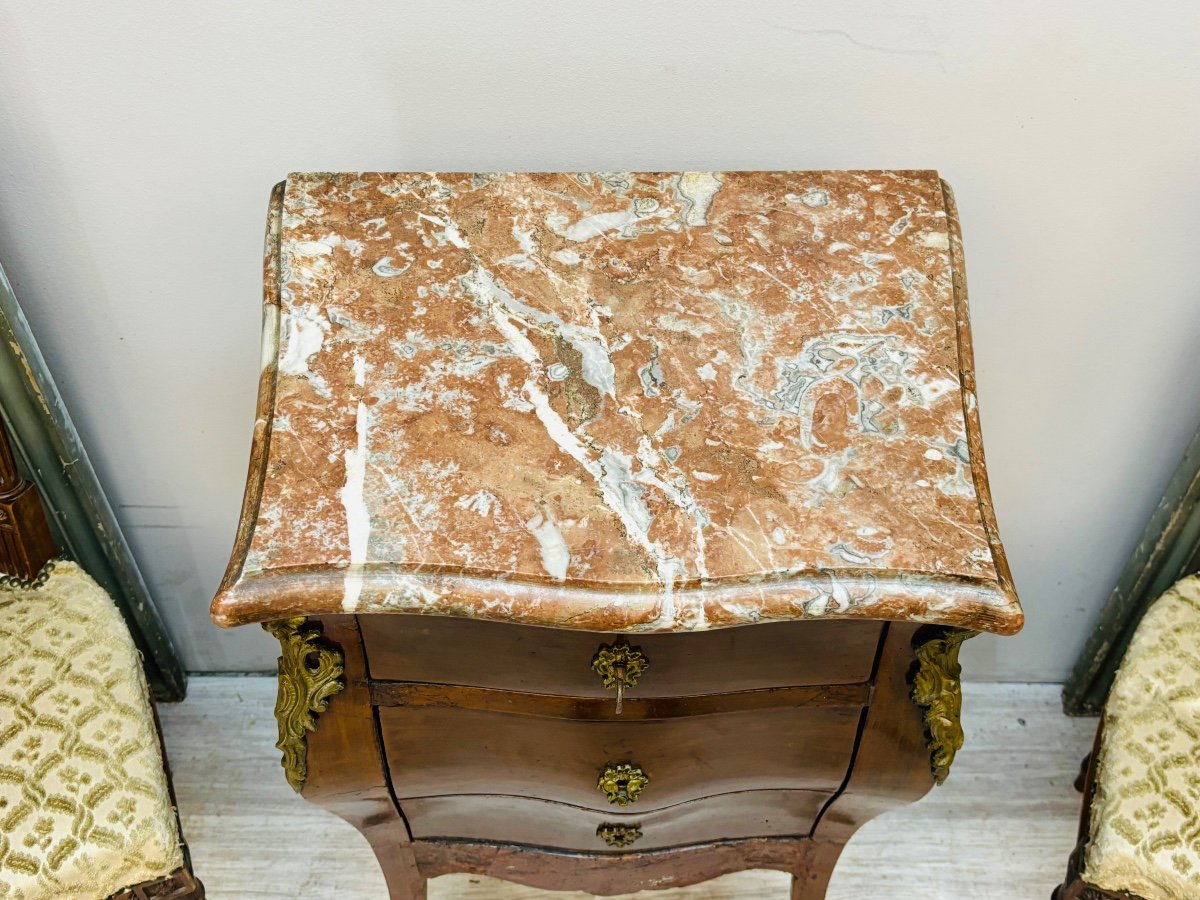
(1000, 829)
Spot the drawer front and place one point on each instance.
(555, 661)
(445, 751)
(540, 823)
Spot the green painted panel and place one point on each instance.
(1168, 550)
(50, 452)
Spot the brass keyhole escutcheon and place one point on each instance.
(619, 666)
(618, 835)
(622, 783)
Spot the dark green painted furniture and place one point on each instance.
(1168, 550)
(49, 451)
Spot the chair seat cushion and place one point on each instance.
(1145, 832)
(84, 805)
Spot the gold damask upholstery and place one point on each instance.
(1145, 818)
(85, 810)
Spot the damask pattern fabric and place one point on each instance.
(84, 805)
(1146, 814)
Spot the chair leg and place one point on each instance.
(1081, 778)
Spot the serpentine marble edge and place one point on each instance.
(618, 402)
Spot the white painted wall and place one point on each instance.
(138, 143)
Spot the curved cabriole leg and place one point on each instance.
(344, 771)
(811, 881)
(892, 760)
(400, 870)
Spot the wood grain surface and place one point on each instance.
(439, 752)
(597, 709)
(553, 661)
(1000, 829)
(540, 823)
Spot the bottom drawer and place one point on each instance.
(545, 823)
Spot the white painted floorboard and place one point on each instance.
(1000, 829)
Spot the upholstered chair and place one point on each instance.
(1140, 828)
(86, 811)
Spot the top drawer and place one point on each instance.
(551, 661)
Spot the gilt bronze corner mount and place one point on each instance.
(310, 673)
(937, 689)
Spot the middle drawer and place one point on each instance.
(442, 751)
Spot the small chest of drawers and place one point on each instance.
(619, 530)
(757, 753)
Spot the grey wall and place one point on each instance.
(138, 143)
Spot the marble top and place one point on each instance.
(618, 402)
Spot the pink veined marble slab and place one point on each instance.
(618, 402)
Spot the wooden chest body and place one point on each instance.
(490, 765)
